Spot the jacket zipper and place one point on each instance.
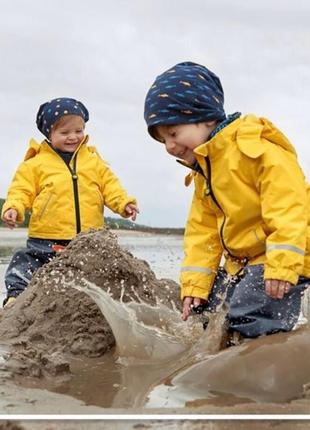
(74, 177)
(210, 191)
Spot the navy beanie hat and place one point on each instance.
(52, 111)
(187, 93)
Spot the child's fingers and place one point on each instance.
(132, 210)
(10, 224)
(10, 217)
(187, 303)
(276, 288)
(288, 287)
(134, 216)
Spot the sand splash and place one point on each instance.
(152, 342)
(143, 331)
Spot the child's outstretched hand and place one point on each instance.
(132, 210)
(9, 218)
(276, 288)
(188, 304)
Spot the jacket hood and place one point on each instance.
(253, 129)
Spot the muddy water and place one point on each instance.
(151, 343)
(159, 361)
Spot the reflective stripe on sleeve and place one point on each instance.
(286, 247)
(197, 269)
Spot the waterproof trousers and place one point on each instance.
(26, 261)
(251, 311)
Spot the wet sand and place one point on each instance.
(154, 424)
(49, 324)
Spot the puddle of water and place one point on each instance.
(96, 381)
(151, 343)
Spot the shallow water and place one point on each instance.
(269, 369)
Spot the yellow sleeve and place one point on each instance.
(202, 247)
(22, 192)
(114, 195)
(285, 204)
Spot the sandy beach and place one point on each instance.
(50, 327)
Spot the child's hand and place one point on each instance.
(276, 288)
(188, 304)
(132, 210)
(9, 218)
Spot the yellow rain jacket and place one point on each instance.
(64, 200)
(251, 205)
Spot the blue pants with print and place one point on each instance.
(26, 261)
(251, 311)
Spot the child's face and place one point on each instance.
(181, 140)
(68, 133)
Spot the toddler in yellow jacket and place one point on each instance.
(250, 206)
(66, 184)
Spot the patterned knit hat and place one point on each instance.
(52, 111)
(185, 94)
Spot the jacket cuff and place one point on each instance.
(194, 291)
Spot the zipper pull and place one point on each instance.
(208, 189)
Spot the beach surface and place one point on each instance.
(53, 329)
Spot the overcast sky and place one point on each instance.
(108, 53)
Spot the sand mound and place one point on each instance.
(51, 321)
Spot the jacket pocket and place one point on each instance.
(257, 241)
(45, 205)
(100, 197)
(100, 200)
(260, 234)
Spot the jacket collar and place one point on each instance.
(218, 141)
(195, 167)
(35, 147)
